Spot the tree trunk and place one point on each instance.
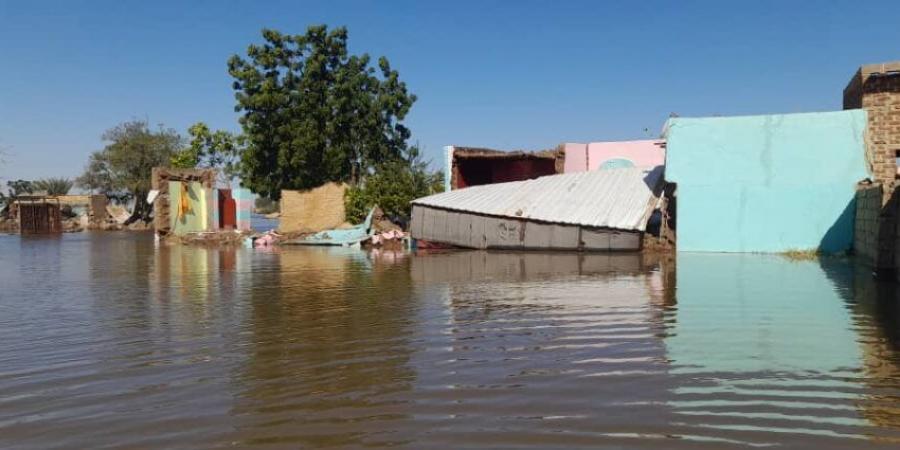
(142, 209)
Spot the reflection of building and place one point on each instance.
(509, 266)
(765, 313)
(764, 349)
(544, 341)
(876, 309)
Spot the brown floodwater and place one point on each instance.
(107, 341)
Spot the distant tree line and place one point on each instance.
(311, 113)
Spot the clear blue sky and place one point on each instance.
(498, 74)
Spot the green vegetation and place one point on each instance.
(53, 186)
(811, 254)
(123, 168)
(19, 187)
(264, 205)
(14, 189)
(219, 149)
(313, 113)
(391, 186)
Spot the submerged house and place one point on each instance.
(187, 201)
(471, 166)
(768, 183)
(599, 210)
(38, 214)
(606, 155)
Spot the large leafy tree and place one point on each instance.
(123, 168)
(314, 113)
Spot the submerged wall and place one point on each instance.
(470, 230)
(766, 183)
(314, 209)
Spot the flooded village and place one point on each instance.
(314, 282)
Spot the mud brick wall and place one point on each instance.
(876, 88)
(315, 209)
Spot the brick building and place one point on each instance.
(471, 166)
(876, 88)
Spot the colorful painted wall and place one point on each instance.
(766, 183)
(202, 210)
(188, 203)
(584, 157)
(243, 200)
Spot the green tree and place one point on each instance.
(392, 186)
(54, 186)
(96, 177)
(123, 168)
(14, 188)
(313, 113)
(218, 149)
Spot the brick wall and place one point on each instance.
(876, 88)
(868, 210)
(877, 232)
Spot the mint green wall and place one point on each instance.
(766, 183)
(196, 220)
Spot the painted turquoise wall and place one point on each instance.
(766, 183)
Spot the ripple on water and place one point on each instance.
(106, 340)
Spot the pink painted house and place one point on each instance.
(596, 155)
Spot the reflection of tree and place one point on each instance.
(876, 309)
(329, 349)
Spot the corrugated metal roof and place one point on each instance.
(610, 198)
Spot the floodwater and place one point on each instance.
(109, 342)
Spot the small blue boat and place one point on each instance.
(347, 237)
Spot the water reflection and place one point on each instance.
(762, 344)
(329, 349)
(109, 340)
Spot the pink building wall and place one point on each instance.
(583, 157)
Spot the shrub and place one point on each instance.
(392, 186)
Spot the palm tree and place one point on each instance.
(54, 186)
